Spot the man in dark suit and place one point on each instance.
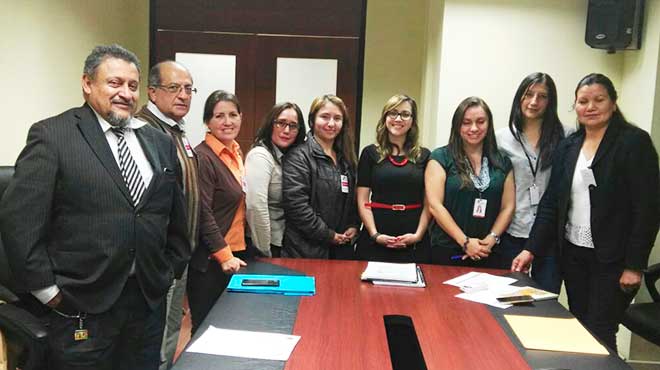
(94, 223)
(170, 92)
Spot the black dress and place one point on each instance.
(391, 184)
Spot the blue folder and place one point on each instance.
(289, 284)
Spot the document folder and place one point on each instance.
(288, 284)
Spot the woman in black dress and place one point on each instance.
(390, 188)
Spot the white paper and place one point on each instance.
(390, 271)
(420, 283)
(242, 343)
(489, 296)
(476, 281)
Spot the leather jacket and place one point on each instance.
(314, 205)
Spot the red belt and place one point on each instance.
(393, 207)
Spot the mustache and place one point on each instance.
(121, 100)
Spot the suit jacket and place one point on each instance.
(625, 203)
(67, 217)
(188, 178)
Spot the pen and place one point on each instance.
(457, 257)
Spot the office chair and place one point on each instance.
(25, 334)
(643, 319)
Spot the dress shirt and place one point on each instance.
(578, 227)
(263, 176)
(231, 156)
(44, 295)
(154, 109)
(523, 218)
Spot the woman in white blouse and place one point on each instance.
(601, 209)
(281, 130)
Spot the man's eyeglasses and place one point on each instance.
(405, 115)
(176, 88)
(282, 125)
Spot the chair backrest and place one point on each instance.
(6, 173)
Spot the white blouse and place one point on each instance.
(578, 227)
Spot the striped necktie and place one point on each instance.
(129, 168)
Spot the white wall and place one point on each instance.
(43, 46)
(489, 46)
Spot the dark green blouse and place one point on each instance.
(460, 202)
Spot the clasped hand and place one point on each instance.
(346, 237)
(400, 241)
(477, 249)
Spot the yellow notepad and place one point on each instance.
(554, 334)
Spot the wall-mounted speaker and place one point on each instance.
(614, 24)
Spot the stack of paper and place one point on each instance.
(288, 284)
(483, 288)
(391, 272)
(420, 283)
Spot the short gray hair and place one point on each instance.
(102, 52)
(154, 79)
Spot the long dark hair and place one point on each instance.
(552, 131)
(265, 134)
(455, 145)
(344, 142)
(411, 145)
(601, 79)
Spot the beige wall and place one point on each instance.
(488, 46)
(44, 44)
(393, 57)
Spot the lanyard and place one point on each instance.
(534, 169)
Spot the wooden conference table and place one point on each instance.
(341, 327)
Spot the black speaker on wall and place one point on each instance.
(614, 24)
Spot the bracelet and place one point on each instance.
(375, 236)
(496, 237)
(465, 243)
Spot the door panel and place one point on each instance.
(241, 46)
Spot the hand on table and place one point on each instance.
(522, 262)
(233, 265)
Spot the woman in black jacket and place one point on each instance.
(601, 207)
(318, 186)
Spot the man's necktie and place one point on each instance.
(129, 168)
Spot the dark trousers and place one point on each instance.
(594, 294)
(126, 337)
(545, 269)
(205, 287)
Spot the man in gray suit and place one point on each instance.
(94, 222)
(170, 92)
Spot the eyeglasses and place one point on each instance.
(405, 115)
(282, 125)
(176, 88)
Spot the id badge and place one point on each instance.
(588, 177)
(344, 184)
(534, 195)
(187, 147)
(479, 210)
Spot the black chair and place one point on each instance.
(643, 319)
(25, 334)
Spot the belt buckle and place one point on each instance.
(398, 207)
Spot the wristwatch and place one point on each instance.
(496, 237)
(374, 236)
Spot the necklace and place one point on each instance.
(398, 164)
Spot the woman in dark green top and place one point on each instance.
(470, 190)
